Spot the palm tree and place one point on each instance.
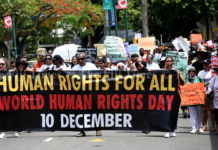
(74, 26)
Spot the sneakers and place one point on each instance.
(201, 130)
(193, 131)
(167, 135)
(173, 134)
(15, 134)
(2, 136)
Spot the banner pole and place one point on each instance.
(14, 37)
(115, 17)
(127, 34)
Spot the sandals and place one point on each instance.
(213, 129)
(81, 134)
(98, 133)
(205, 128)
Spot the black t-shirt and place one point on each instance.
(198, 66)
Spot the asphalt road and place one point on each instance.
(115, 140)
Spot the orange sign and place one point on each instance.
(196, 38)
(147, 43)
(192, 94)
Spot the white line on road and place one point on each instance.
(48, 139)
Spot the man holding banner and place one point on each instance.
(83, 65)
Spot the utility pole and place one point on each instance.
(144, 18)
(106, 23)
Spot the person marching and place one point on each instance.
(169, 66)
(4, 71)
(206, 76)
(196, 110)
(83, 65)
(214, 86)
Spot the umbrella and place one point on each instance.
(66, 51)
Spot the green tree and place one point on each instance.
(47, 13)
(75, 27)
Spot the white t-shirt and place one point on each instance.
(107, 69)
(88, 66)
(152, 66)
(158, 55)
(205, 75)
(44, 67)
(64, 67)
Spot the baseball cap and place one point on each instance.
(207, 61)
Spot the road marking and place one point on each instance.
(97, 140)
(48, 139)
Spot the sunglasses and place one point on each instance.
(191, 71)
(2, 64)
(47, 58)
(150, 58)
(78, 59)
(120, 67)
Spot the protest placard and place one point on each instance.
(180, 43)
(115, 48)
(192, 94)
(138, 35)
(214, 65)
(90, 53)
(100, 48)
(133, 48)
(195, 38)
(180, 60)
(147, 43)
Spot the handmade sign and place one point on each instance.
(180, 43)
(147, 43)
(180, 61)
(90, 53)
(115, 48)
(196, 38)
(100, 49)
(133, 48)
(192, 94)
(89, 100)
(214, 64)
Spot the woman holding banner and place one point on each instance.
(4, 71)
(196, 110)
(213, 86)
(169, 66)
